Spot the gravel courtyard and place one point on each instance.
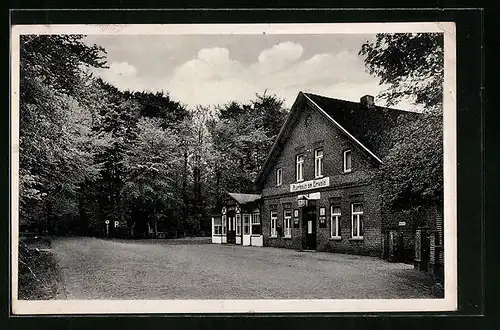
(111, 269)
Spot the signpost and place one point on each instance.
(107, 227)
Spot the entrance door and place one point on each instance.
(309, 223)
(231, 229)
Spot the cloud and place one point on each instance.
(122, 68)
(213, 77)
(213, 55)
(210, 63)
(279, 56)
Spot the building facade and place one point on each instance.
(319, 186)
(238, 220)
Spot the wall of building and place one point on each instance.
(304, 139)
(371, 244)
(349, 187)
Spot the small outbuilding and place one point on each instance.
(238, 221)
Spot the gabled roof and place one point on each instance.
(368, 125)
(244, 198)
(365, 126)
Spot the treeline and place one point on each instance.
(90, 152)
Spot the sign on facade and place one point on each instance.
(311, 196)
(311, 184)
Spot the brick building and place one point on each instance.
(318, 184)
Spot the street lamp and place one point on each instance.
(303, 201)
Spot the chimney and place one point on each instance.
(368, 101)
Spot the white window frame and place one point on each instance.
(335, 218)
(247, 217)
(347, 152)
(287, 223)
(299, 167)
(318, 163)
(238, 224)
(253, 223)
(356, 216)
(224, 228)
(279, 177)
(217, 229)
(274, 222)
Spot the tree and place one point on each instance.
(411, 64)
(56, 142)
(412, 67)
(59, 61)
(150, 168)
(160, 105)
(242, 136)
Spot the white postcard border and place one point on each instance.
(448, 303)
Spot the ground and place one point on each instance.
(119, 269)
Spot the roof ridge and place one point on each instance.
(357, 103)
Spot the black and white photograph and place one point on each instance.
(233, 168)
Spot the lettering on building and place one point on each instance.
(312, 184)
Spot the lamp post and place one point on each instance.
(107, 228)
(303, 201)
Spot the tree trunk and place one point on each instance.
(184, 192)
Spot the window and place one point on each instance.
(256, 224)
(347, 161)
(357, 220)
(246, 224)
(299, 168)
(318, 163)
(274, 219)
(238, 224)
(223, 225)
(279, 177)
(217, 226)
(335, 214)
(287, 219)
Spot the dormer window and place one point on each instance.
(279, 177)
(299, 168)
(347, 161)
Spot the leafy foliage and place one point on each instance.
(58, 60)
(412, 66)
(56, 142)
(242, 137)
(90, 152)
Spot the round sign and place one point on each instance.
(106, 222)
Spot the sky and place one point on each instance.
(215, 69)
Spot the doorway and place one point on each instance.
(231, 228)
(309, 227)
